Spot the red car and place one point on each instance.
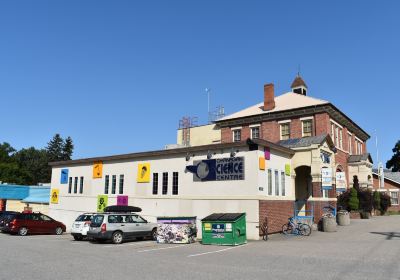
(33, 223)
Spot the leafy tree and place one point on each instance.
(377, 200)
(6, 152)
(365, 200)
(385, 203)
(34, 163)
(55, 148)
(353, 201)
(12, 173)
(68, 149)
(394, 162)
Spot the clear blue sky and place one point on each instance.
(117, 76)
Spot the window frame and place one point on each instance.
(106, 184)
(276, 179)
(155, 184)
(175, 183)
(70, 185)
(81, 185)
(269, 180)
(303, 132)
(76, 185)
(165, 183)
(283, 183)
(254, 128)
(283, 136)
(121, 184)
(113, 184)
(239, 131)
(392, 198)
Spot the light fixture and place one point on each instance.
(209, 155)
(233, 153)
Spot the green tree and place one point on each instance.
(68, 149)
(55, 148)
(34, 163)
(394, 162)
(6, 152)
(377, 200)
(353, 201)
(11, 173)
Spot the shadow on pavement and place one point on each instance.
(390, 235)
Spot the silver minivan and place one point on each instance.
(119, 227)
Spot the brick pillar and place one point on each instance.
(316, 189)
(332, 192)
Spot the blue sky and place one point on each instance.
(117, 76)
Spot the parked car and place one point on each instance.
(32, 223)
(5, 216)
(119, 227)
(81, 226)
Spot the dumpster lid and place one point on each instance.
(223, 217)
(122, 208)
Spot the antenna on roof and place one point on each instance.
(298, 70)
(208, 90)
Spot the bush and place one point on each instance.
(354, 203)
(377, 200)
(343, 201)
(365, 198)
(385, 203)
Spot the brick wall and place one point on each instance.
(341, 159)
(226, 135)
(387, 186)
(296, 128)
(322, 124)
(277, 212)
(318, 207)
(270, 131)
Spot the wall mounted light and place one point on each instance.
(209, 155)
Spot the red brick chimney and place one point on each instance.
(269, 98)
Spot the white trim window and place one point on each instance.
(340, 139)
(307, 128)
(237, 135)
(285, 131)
(325, 193)
(394, 198)
(276, 182)
(350, 141)
(283, 188)
(269, 182)
(255, 132)
(336, 136)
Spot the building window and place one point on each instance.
(276, 182)
(175, 183)
(255, 132)
(340, 139)
(155, 183)
(350, 145)
(283, 183)
(336, 136)
(106, 184)
(81, 186)
(307, 128)
(237, 135)
(325, 193)
(165, 183)
(333, 133)
(121, 184)
(394, 198)
(70, 185)
(76, 185)
(113, 184)
(269, 182)
(285, 131)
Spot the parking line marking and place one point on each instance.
(165, 248)
(128, 244)
(218, 251)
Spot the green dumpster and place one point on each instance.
(224, 229)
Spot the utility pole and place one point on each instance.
(208, 90)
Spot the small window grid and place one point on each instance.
(285, 131)
(155, 183)
(106, 184)
(307, 128)
(237, 135)
(165, 183)
(394, 198)
(81, 185)
(255, 132)
(121, 184)
(175, 183)
(113, 184)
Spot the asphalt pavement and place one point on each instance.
(367, 249)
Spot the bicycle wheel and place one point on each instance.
(287, 229)
(304, 229)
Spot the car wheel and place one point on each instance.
(117, 237)
(23, 231)
(59, 231)
(78, 237)
(154, 234)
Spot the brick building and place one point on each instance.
(390, 185)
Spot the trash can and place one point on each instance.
(329, 224)
(224, 229)
(177, 230)
(343, 218)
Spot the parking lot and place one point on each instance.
(368, 249)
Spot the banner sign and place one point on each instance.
(102, 201)
(97, 169)
(261, 163)
(267, 153)
(122, 200)
(340, 181)
(143, 173)
(64, 176)
(223, 169)
(287, 169)
(54, 196)
(326, 178)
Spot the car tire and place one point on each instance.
(78, 237)
(117, 237)
(22, 231)
(154, 234)
(59, 231)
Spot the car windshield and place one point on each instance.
(97, 220)
(84, 218)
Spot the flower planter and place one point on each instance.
(355, 215)
(365, 215)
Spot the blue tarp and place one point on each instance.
(28, 194)
(38, 195)
(14, 192)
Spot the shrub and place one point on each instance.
(377, 200)
(365, 200)
(354, 203)
(385, 203)
(343, 201)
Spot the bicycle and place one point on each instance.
(264, 229)
(328, 212)
(293, 227)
